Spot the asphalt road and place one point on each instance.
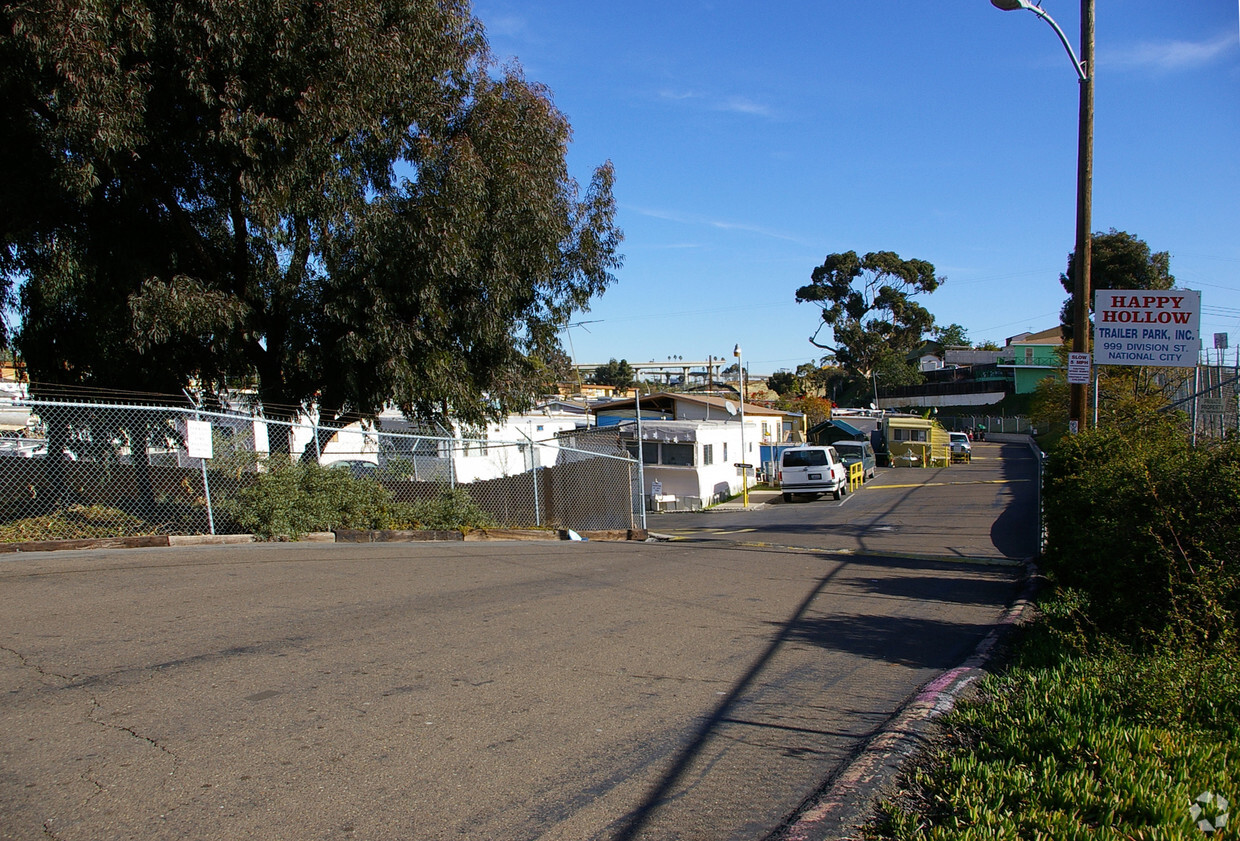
(986, 509)
(696, 690)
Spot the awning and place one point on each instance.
(679, 432)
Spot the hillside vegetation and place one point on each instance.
(1118, 715)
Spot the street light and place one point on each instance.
(1084, 67)
(740, 374)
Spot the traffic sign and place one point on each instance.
(1078, 368)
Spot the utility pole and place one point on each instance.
(1082, 290)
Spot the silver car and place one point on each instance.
(861, 451)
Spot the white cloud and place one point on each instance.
(718, 224)
(510, 26)
(1171, 55)
(677, 96)
(730, 104)
(742, 105)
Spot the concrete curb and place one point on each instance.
(339, 536)
(840, 810)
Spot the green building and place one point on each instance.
(1032, 357)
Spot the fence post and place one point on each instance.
(534, 475)
(206, 489)
(206, 485)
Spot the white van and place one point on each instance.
(812, 470)
(962, 449)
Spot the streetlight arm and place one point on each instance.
(1013, 5)
(1081, 70)
(1078, 392)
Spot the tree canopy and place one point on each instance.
(784, 383)
(953, 335)
(815, 409)
(618, 374)
(344, 201)
(867, 304)
(1118, 260)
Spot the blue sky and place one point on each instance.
(751, 140)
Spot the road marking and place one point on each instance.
(939, 484)
(979, 560)
(734, 531)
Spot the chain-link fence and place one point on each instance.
(990, 423)
(93, 470)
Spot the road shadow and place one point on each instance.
(910, 642)
(997, 588)
(631, 825)
(1016, 532)
(915, 643)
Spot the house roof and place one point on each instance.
(926, 348)
(1053, 336)
(566, 406)
(665, 401)
(854, 427)
(852, 430)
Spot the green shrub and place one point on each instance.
(1147, 530)
(294, 499)
(453, 509)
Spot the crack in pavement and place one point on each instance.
(25, 663)
(50, 680)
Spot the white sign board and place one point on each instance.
(1078, 368)
(198, 439)
(1158, 327)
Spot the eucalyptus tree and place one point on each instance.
(343, 201)
(1118, 260)
(784, 383)
(867, 304)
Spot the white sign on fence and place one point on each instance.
(1158, 327)
(198, 439)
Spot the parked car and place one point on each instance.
(812, 470)
(360, 468)
(852, 451)
(962, 450)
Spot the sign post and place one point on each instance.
(198, 445)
